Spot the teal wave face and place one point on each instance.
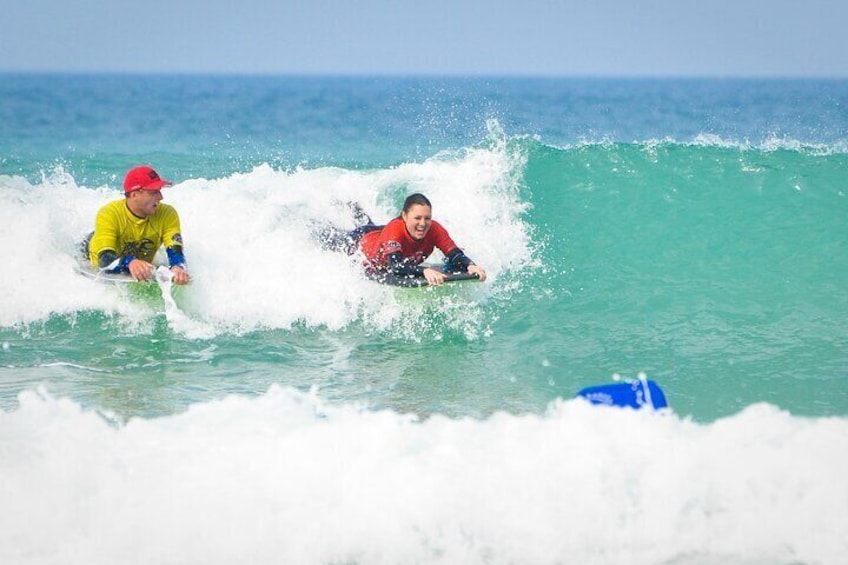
(714, 266)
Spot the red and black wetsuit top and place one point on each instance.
(393, 250)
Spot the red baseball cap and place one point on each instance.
(143, 178)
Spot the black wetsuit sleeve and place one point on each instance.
(401, 267)
(456, 260)
(107, 258)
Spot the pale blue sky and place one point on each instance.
(723, 38)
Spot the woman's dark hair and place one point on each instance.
(414, 199)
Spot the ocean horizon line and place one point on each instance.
(693, 77)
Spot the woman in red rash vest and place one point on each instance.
(399, 247)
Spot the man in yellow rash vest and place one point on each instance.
(129, 232)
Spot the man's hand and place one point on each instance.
(141, 270)
(181, 276)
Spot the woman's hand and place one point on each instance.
(477, 270)
(434, 277)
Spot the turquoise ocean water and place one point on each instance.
(286, 410)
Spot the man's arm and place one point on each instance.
(104, 244)
(173, 241)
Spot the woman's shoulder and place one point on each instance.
(438, 228)
(395, 225)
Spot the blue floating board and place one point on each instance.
(637, 394)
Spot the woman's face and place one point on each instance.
(418, 220)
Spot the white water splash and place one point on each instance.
(177, 319)
(250, 250)
(284, 478)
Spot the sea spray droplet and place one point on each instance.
(6, 346)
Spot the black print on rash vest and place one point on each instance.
(143, 248)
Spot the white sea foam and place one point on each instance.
(283, 478)
(42, 225)
(249, 246)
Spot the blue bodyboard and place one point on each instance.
(637, 394)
